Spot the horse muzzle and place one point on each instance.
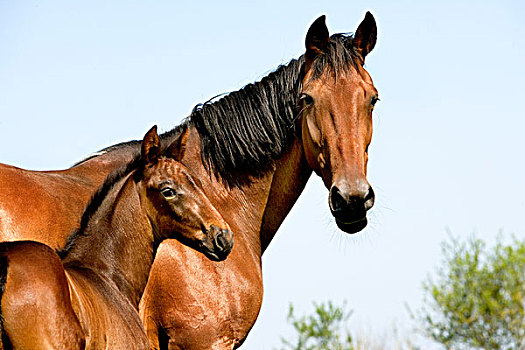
(349, 204)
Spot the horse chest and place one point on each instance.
(213, 307)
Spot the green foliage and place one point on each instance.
(326, 329)
(477, 300)
(322, 330)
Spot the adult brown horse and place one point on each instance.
(88, 297)
(253, 151)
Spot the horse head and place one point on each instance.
(337, 100)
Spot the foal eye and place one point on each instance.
(307, 99)
(168, 192)
(374, 100)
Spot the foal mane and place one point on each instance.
(96, 201)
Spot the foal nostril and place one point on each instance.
(228, 236)
(224, 240)
(220, 241)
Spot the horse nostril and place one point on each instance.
(337, 202)
(370, 198)
(356, 201)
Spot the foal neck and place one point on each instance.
(117, 243)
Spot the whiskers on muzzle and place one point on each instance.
(350, 204)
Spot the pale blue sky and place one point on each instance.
(447, 148)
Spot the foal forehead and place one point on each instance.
(168, 169)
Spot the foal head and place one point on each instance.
(175, 203)
(337, 100)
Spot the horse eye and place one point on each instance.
(308, 100)
(374, 100)
(168, 192)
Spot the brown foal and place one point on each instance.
(87, 295)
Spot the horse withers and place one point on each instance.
(87, 295)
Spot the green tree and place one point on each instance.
(326, 329)
(323, 330)
(477, 299)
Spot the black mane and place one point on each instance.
(246, 130)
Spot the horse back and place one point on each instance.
(40, 206)
(45, 206)
(35, 305)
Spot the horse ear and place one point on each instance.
(317, 39)
(366, 35)
(178, 147)
(151, 146)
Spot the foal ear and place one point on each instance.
(178, 147)
(151, 146)
(317, 39)
(366, 35)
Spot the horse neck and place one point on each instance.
(117, 244)
(289, 178)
